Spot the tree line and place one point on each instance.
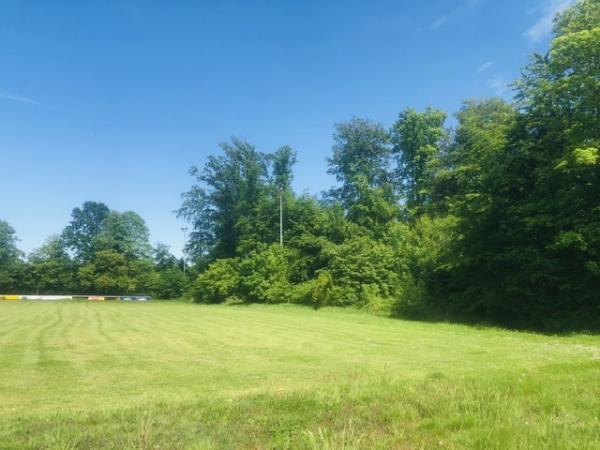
(99, 251)
(496, 218)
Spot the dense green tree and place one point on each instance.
(120, 260)
(372, 209)
(282, 162)
(8, 243)
(526, 189)
(51, 270)
(361, 157)
(553, 232)
(221, 207)
(10, 264)
(163, 258)
(86, 223)
(169, 283)
(417, 139)
(108, 273)
(310, 227)
(264, 276)
(218, 283)
(235, 207)
(126, 233)
(468, 168)
(169, 280)
(363, 270)
(111, 273)
(427, 260)
(259, 277)
(262, 227)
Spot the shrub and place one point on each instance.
(264, 276)
(301, 293)
(362, 264)
(428, 254)
(218, 282)
(322, 290)
(170, 283)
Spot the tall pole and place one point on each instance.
(281, 216)
(184, 229)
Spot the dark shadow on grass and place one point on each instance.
(433, 316)
(481, 322)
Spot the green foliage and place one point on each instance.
(168, 280)
(163, 258)
(310, 227)
(8, 243)
(260, 277)
(429, 247)
(11, 268)
(372, 210)
(361, 157)
(86, 224)
(218, 282)
(233, 207)
(264, 276)
(361, 267)
(169, 283)
(301, 293)
(111, 256)
(526, 190)
(51, 270)
(321, 292)
(120, 260)
(282, 161)
(125, 233)
(497, 219)
(108, 273)
(417, 139)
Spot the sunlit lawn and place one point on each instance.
(176, 375)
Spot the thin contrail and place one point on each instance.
(16, 98)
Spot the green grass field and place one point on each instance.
(176, 375)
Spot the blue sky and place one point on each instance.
(113, 101)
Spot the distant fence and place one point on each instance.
(100, 298)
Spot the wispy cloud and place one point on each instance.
(485, 66)
(547, 10)
(440, 21)
(463, 7)
(499, 84)
(16, 98)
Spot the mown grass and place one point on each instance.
(175, 375)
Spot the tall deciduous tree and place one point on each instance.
(126, 233)
(465, 182)
(556, 151)
(530, 212)
(282, 163)
(9, 258)
(8, 243)
(232, 208)
(361, 163)
(229, 188)
(86, 223)
(417, 138)
(361, 157)
(50, 268)
(163, 258)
